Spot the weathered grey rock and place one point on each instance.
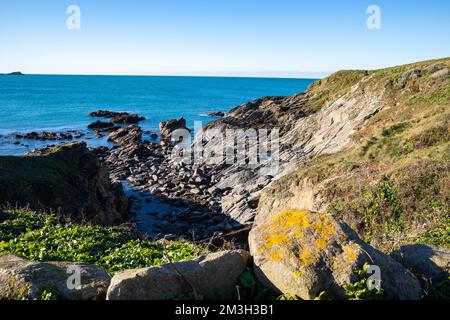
(405, 77)
(212, 277)
(304, 253)
(441, 73)
(424, 260)
(24, 279)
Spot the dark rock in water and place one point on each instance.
(100, 125)
(68, 179)
(127, 118)
(66, 136)
(125, 136)
(154, 136)
(105, 114)
(216, 114)
(168, 127)
(118, 117)
(45, 136)
(32, 135)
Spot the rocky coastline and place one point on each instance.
(334, 192)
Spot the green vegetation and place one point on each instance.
(359, 290)
(289, 297)
(251, 289)
(381, 206)
(329, 89)
(437, 98)
(439, 236)
(45, 238)
(49, 294)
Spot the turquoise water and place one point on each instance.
(59, 103)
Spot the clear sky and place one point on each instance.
(219, 37)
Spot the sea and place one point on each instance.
(61, 103)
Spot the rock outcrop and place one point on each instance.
(102, 126)
(304, 253)
(350, 127)
(302, 135)
(168, 127)
(211, 277)
(68, 179)
(218, 114)
(131, 135)
(24, 279)
(127, 118)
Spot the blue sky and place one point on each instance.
(219, 37)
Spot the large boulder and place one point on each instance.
(304, 253)
(168, 127)
(68, 179)
(211, 277)
(24, 279)
(423, 260)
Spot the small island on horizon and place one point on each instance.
(15, 73)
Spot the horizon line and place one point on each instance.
(307, 75)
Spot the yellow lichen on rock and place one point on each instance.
(324, 229)
(307, 257)
(350, 252)
(297, 235)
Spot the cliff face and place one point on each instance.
(370, 146)
(67, 179)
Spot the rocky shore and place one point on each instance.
(354, 175)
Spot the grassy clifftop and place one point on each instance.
(393, 184)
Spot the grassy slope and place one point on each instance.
(394, 185)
